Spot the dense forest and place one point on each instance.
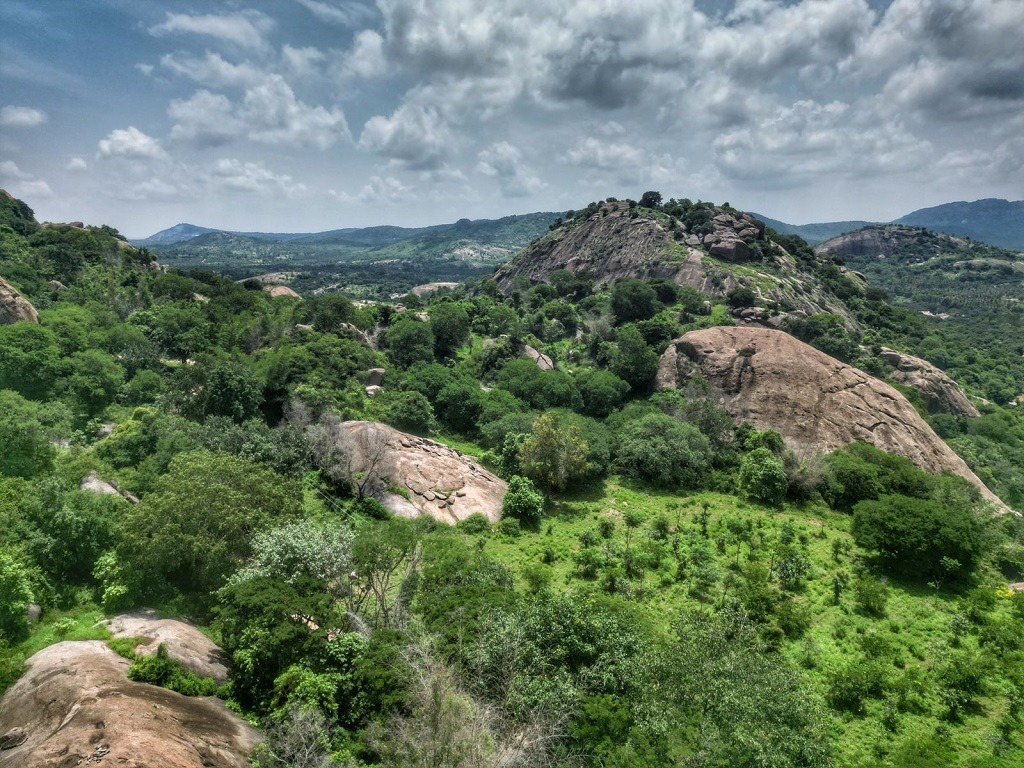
(666, 585)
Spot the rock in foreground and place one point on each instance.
(814, 401)
(75, 706)
(439, 481)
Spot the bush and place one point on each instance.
(474, 524)
(662, 451)
(523, 502)
(510, 527)
(160, 669)
(871, 595)
(915, 537)
(762, 476)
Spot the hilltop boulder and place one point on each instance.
(75, 706)
(814, 401)
(15, 308)
(413, 476)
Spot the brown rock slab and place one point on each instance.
(15, 308)
(814, 401)
(429, 471)
(184, 642)
(76, 707)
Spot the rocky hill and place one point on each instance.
(994, 221)
(931, 270)
(712, 249)
(814, 401)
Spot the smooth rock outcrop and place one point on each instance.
(75, 706)
(277, 291)
(814, 401)
(15, 308)
(184, 643)
(940, 393)
(439, 481)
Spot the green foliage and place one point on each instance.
(199, 518)
(662, 451)
(633, 300)
(160, 669)
(912, 536)
(762, 476)
(29, 359)
(15, 595)
(408, 411)
(449, 322)
(25, 448)
(523, 502)
(601, 391)
(409, 341)
(476, 523)
(554, 454)
(634, 362)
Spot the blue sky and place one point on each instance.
(302, 115)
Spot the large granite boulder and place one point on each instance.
(814, 401)
(413, 476)
(940, 393)
(75, 706)
(15, 308)
(184, 642)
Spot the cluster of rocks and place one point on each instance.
(814, 401)
(732, 237)
(373, 381)
(414, 476)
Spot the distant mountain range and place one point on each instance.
(993, 221)
(490, 241)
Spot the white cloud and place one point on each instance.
(247, 29)
(10, 170)
(21, 117)
(213, 70)
(809, 139)
(302, 62)
(21, 184)
(269, 113)
(504, 162)
(205, 118)
(381, 189)
(415, 136)
(348, 12)
(367, 57)
(146, 69)
(252, 177)
(130, 142)
(76, 164)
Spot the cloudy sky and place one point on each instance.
(301, 115)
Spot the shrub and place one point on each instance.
(523, 502)
(474, 524)
(160, 669)
(664, 452)
(510, 527)
(762, 476)
(918, 537)
(871, 595)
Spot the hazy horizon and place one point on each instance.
(311, 115)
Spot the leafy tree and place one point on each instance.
(633, 361)
(459, 405)
(913, 536)
(181, 331)
(331, 311)
(664, 452)
(15, 595)
(25, 448)
(406, 410)
(29, 359)
(762, 476)
(634, 300)
(602, 391)
(195, 527)
(650, 199)
(449, 322)
(302, 549)
(554, 455)
(93, 380)
(409, 341)
(522, 501)
(231, 390)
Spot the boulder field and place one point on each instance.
(814, 401)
